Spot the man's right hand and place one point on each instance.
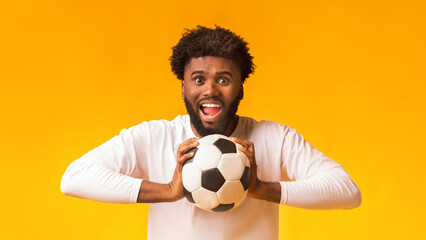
(151, 192)
(176, 185)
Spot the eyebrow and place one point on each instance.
(197, 72)
(224, 72)
(217, 73)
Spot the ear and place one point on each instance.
(182, 89)
(241, 94)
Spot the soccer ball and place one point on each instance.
(217, 177)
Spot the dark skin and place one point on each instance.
(212, 80)
(218, 80)
(151, 192)
(269, 191)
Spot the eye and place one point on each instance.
(198, 79)
(222, 80)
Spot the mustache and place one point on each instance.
(210, 99)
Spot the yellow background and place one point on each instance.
(349, 75)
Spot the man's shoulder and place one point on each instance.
(262, 124)
(177, 124)
(180, 120)
(264, 128)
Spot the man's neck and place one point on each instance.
(228, 131)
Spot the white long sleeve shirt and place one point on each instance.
(114, 171)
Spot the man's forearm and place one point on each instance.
(332, 190)
(327, 191)
(151, 192)
(269, 191)
(86, 179)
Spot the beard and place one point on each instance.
(224, 121)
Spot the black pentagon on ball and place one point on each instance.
(190, 160)
(225, 145)
(245, 179)
(223, 207)
(188, 195)
(212, 179)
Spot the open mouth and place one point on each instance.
(210, 110)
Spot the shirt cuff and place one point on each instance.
(135, 192)
(284, 193)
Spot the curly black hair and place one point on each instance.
(218, 42)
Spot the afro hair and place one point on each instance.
(217, 42)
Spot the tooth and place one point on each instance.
(210, 105)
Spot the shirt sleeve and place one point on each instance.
(108, 173)
(316, 181)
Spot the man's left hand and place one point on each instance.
(270, 191)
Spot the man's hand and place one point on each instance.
(176, 185)
(151, 192)
(270, 191)
(247, 148)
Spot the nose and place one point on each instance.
(210, 89)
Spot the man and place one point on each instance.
(144, 163)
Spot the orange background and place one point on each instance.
(349, 75)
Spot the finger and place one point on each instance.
(251, 147)
(238, 140)
(246, 151)
(189, 145)
(186, 146)
(188, 141)
(185, 157)
(243, 142)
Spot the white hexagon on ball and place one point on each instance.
(231, 166)
(205, 199)
(192, 177)
(230, 192)
(207, 156)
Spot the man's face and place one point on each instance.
(212, 91)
